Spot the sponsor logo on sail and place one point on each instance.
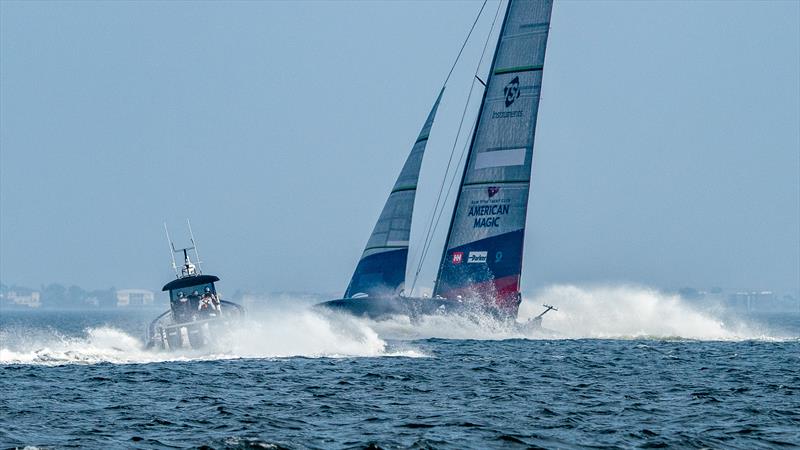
(506, 114)
(458, 257)
(511, 91)
(477, 257)
(492, 190)
(488, 215)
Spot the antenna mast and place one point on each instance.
(172, 250)
(194, 245)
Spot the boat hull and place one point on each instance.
(166, 334)
(378, 308)
(190, 335)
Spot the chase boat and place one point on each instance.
(197, 314)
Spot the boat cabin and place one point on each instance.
(185, 295)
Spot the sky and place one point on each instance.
(667, 148)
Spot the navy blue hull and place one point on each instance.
(414, 307)
(382, 307)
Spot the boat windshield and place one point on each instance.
(191, 291)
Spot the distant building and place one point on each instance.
(31, 299)
(134, 297)
(753, 300)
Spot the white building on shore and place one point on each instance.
(134, 297)
(31, 299)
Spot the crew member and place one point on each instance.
(195, 298)
(213, 299)
(204, 306)
(182, 311)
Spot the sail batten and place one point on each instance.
(517, 69)
(483, 252)
(382, 267)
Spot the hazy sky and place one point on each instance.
(667, 150)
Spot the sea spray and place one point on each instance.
(286, 329)
(265, 333)
(472, 325)
(622, 311)
(95, 345)
(299, 331)
(599, 312)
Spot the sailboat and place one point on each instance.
(481, 264)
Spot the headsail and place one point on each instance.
(483, 251)
(382, 268)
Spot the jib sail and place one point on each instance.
(483, 252)
(382, 268)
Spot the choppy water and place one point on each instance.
(302, 380)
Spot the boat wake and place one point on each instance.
(285, 330)
(265, 334)
(633, 312)
(609, 312)
(308, 333)
(96, 345)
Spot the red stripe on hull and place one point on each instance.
(500, 293)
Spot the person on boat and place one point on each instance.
(204, 307)
(194, 305)
(174, 304)
(207, 307)
(182, 310)
(212, 299)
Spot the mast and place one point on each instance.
(482, 257)
(172, 251)
(188, 268)
(382, 267)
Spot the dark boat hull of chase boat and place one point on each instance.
(197, 316)
(166, 333)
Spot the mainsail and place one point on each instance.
(483, 252)
(382, 268)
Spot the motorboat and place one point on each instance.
(197, 315)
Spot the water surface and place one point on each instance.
(68, 385)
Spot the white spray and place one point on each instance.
(288, 329)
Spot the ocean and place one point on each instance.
(617, 368)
